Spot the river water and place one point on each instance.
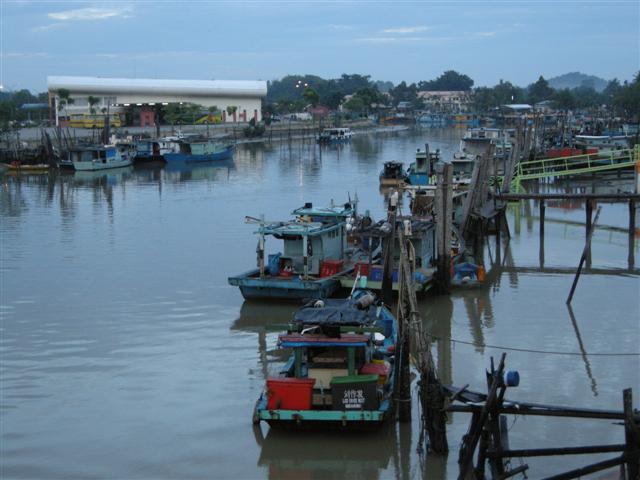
(125, 354)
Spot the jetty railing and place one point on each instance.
(577, 164)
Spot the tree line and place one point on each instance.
(361, 95)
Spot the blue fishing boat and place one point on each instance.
(421, 233)
(200, 151)
(340, 373)
(422, 169)
(152, 150)
(315, 254)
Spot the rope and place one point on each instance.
(546, 352)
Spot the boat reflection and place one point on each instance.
(334, 455)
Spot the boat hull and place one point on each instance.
(324, 419)
(189, 158)
(94, 166)
(253, 287)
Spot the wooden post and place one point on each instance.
(542, 211)
(588, 227)
(632, 437)
(587, 247)
(444, 210)
(632, 232)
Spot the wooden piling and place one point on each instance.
(585, 254)
(444, 212)
(632, 232)
(632, 437)
(542, 212)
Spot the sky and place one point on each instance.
(266, 40)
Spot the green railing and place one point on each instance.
(576, 165)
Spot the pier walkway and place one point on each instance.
(576, 165)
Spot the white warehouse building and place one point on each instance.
(145, 95)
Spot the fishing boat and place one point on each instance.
(340, 373)
(17, 167)
(315, 254)
(604, 143)
(152, 150)
(432, 120)
(422, 169)
(421, 233)
(476, 142)
(393, 175)
(101, 157)
(200, 151)
(335, 135)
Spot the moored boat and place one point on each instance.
(316, 252)
(17, 166)
(341, 370)
(200, 151)
(152, 150)
(101, 157)
(393, 175)
(422, 169)
(335, 135)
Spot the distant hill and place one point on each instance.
(577, 79)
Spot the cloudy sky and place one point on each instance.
(401, 40)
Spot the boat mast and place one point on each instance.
(261, 247)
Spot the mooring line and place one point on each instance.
(547, 352)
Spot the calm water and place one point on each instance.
(125, 354)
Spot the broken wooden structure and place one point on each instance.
(487, 438)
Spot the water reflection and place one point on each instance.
(332, 455)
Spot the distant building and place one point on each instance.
(454, 101)
(143, 96)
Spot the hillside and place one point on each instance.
(576, 79)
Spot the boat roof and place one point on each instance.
(92, 148)
(339, 211)
(295, 228)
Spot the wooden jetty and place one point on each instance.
(487, 436)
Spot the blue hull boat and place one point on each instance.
(185, 156)
(315, 255)
(253, 287)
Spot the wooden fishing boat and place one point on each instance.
(335, 135)
(341, 370)
(26, 167)
(101, 157)
(421, 234)
(316, 252)
(421, 171)
(200, 151)
(393, 175)
(154, 150)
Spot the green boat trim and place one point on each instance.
(322, 415)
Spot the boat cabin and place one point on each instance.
(92, 154)
(424, 167)
(314, 237)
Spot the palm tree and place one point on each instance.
(93, 101)
(64, 99)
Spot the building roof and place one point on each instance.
(242, 88)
